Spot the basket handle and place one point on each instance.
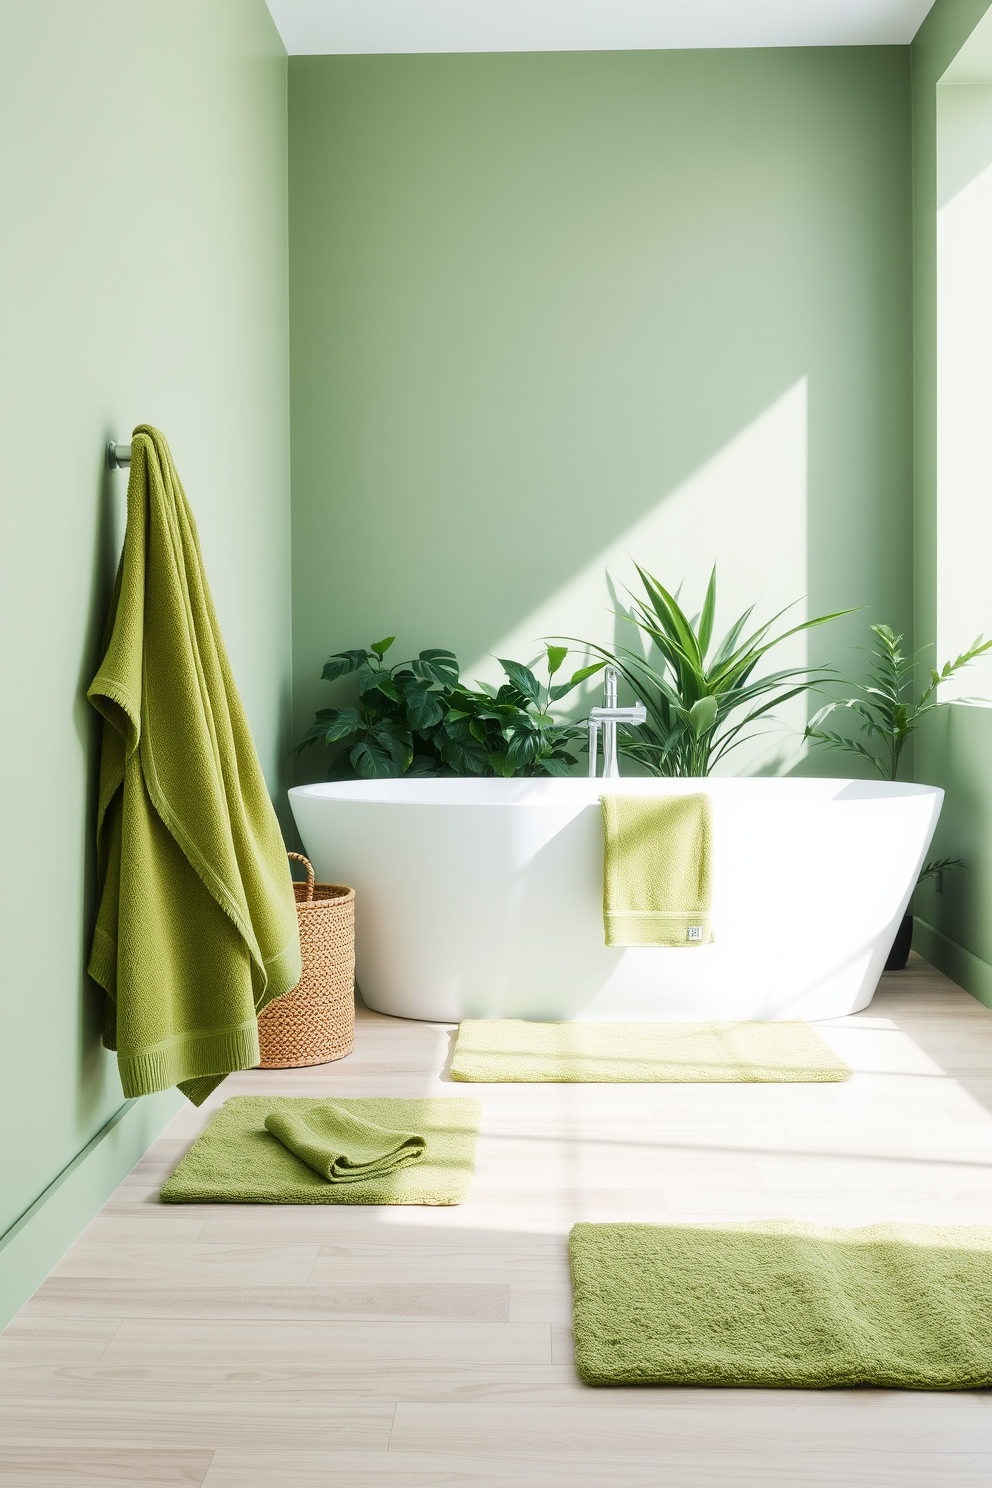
(311, 876)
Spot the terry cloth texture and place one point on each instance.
(340, 1146)
(509, 1049)
(196, 930)
(656, 870)
(237, 1161)
(778, 1303)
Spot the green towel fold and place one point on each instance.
(196, 930)
(343, 1147)
(657, 874)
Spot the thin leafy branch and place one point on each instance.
(885, 703)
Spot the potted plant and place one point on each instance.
(885, 703)
(701, 698)
(890, 714)
(417, 718)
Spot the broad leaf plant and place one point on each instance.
(417, 718)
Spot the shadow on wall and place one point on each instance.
(764, 467)
(97, 1069)
(553, 310)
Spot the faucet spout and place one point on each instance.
(607, 718)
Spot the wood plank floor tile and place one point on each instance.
(157, 1224)
(660, 1426)
(173, 1420)
(33, 1338)
(551, 1302)
(777, 1469)
(69, 1297)
(483, 1301)
(42, 1467)
(175, 1263)
(443, 1266)
(238, 1342)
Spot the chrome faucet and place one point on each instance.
(607, 718)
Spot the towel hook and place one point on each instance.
(118, 455)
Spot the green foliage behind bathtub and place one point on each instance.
(703, 698)
(418, 718)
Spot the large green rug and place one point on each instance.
(236, 1161)
(780, 1303)
(509, 1049)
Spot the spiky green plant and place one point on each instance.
(701, 699)
(886, 703)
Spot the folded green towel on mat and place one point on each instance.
(656, 870)
(237, 1160)
(779, 1303)
(340, 1146)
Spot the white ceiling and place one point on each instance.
(323, 26)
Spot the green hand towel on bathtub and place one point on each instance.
(343, 1147)
(657, 871)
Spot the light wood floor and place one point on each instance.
(281, 1347)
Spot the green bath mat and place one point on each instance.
(509, 1049)
(783, 1304)
(236, 1161)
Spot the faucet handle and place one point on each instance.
(637, 714)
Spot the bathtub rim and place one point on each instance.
(476, 792)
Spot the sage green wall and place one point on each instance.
(143, 276)
(550, 310)
(954, 929)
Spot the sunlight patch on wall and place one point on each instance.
(964, 379)
(745, 511)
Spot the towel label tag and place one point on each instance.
(694, 932)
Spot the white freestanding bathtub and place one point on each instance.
(483, 898)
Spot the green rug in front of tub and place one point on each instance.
(237, 1161)
(497, 1050)
(781, 1304)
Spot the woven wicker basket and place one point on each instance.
(315, 1023)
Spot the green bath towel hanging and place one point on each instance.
(657, 869)
(196, 930)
